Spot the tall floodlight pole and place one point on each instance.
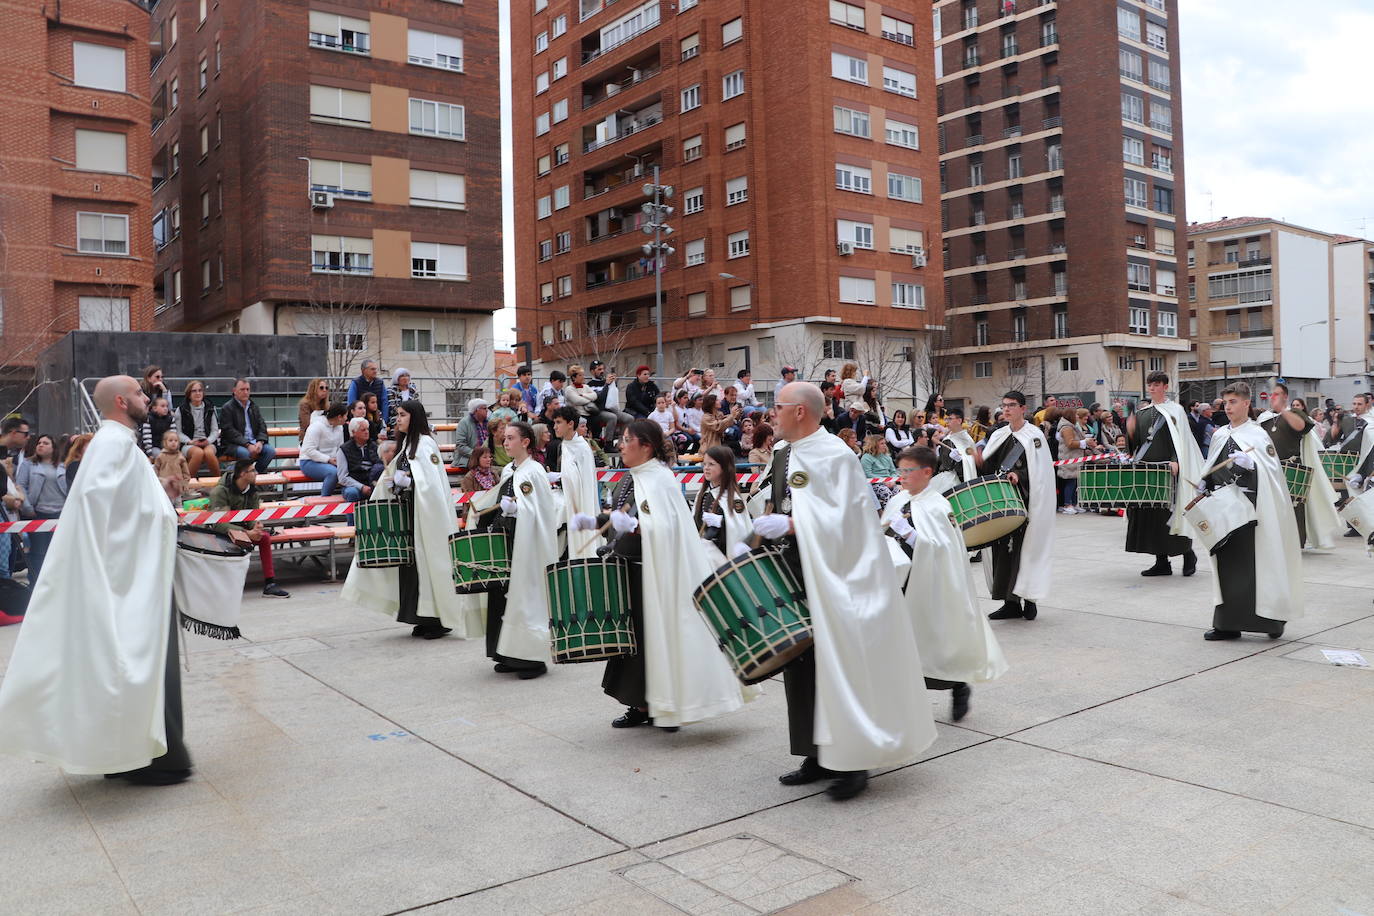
(658, 249)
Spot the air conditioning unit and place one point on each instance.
(845, 248)
(918, 258)
(321, 200)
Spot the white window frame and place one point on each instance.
(449, 189)
(898, 30)
(695, 252)
(848, 68)
(899, 133)
(848, 15)
(1138, 320)
(423, 110)
(732, 85)
(731, 31)
(693, 148)
(736, 135)
(562, 197)
(902, 82)
(544, 206)
(560, 111)
(737, 244)
(858, 290)
(450, 262)
(982, 368)
(736, 190)
(111, 225)
(694, 201)
(1128, 23)
(96, 143)
(857, 233)
(848, 121)
(1133, 150)
(1138, 277)
(327, 105)
(102, 313)
(908, 295)
(331, 172)
(853, 178)
(914, 239)
(690, 98)
(904, 187)
(98, 66)
(1132, 108)
(349, 262)
(431, 49)
(1168, 324)
(1130, 187)
(335, 32)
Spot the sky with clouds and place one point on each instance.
(1278, 116)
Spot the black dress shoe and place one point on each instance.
(810, 771)
(436, 632)
(1029, 610)
(1159, 569)
(529, 674)
(961, 694)
(848, 785)
(665, 728)
(631, 718)
(503, 668)
(1279, 633)
(1189, 563)
(1216, 635)
(418, 631)
(147, 776)
(1010, 610)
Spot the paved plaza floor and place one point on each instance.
(1123, 765)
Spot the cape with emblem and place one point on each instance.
(687, 676)
(84, 688)
(962, 445)
(435, 520)
(871, 708)
(737, 525)
(1189, 458)
(525, 626)
(1034, 571)
(1319, 509)
(580, 494)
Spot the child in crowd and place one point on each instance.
(172, 468)
(155, 427)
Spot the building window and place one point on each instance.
(339, 33)
(738, 244)
(102, 233)
(836, 348)
(1068, 362)
(441, 262)
(696, 252)
(975, 174)
(696, 304)
(205, 140)
(853, 178)
(982, 368)
(436, 119)
(417, 340)
(560, 111)
(429, 49)
(1156, 364)
(692, 148)
(899, 81)
(546, 249)
(1159, 75)
(860, 235)
(102, 151)
(541, 42)
(561, 197)
(219, 56)
(740, 300)
(563, 240)
(546, 292)
(905, 241)
(560, 69)
(546, 334)
(1133, 150)
(544, 206)
(691, 97)
(736, 191)
(691, 46)
(340, 254)
(559, 26)
(1135, 193)
(854, 123)
(980, 333)
(1162, 159)
(1168, 324)
(847, 14)
(733, 85)
(351, 179)
(1128, 23)
(731, 31)
(1131, 65)
(543, 165)
(898, 30)
(734, 136)
(437, 189)
(899, 133)
(202, 75)
(560, 154)
(1139, 320)
(903, 187)
(694, 201)
(1018, 328)
(1156, 36)
(844, 67)
(98, 66)
(1164, 200)
(541, 124)
(908, 295)
(1132, 108)
(858, 290)
(541, 83)
(102, 313)
(340, 106)
(1061, 323)
(205, 275)
(1014, 165)
(204, 207)
(1009, 46)
(1161, 117)
(1138, 277)
(564, 286)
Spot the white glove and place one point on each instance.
(739, 550)
(1201, 489)
(400, 480)
(583, 522)
(712, 520)
(772, 526)
(624, 522)
(509, 508)
(1244, 460)
(1354, 480)
(902, 528)
(554, 477)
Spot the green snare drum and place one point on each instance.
(1139, 484)
(384, 533)
(480, 559)
(589, 610)
(1339, 465)
(1299, 477)
(758, 611)
(986, 509)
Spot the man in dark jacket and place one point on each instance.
(242, 430)
(369, 382)
(361, 463)
(238, 489)
(641, 394)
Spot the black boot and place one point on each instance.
(533, 671)
(1030, 610)
(1161, 567)
(1189, 563)
(810, 771)
(848, 785)
(632, 717)
(1010, 610)
(962, 692)
(1215, 635)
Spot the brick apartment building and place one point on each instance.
(331, 168)
(1056, 281)
(75, 243)
(799, 141)
(1270, 298)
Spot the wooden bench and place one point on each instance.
(297, 539)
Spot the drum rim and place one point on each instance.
(733, 563)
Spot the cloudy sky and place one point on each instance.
(1278, 116)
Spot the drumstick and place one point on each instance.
(1208, 473)
(602, 530)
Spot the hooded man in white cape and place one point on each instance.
(678, 675)
(419, 593)
(1158, 432)
(94, 684)
(856, 700)
(1294, 437)
(1257, 569)
(530, 515)
(577, 474)
(956, 640)
(1019, 573)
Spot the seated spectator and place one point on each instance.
(367, 382)
(690, 419)
(607, 416)
(386, 450)
(641, 395)
(744, 387)
(242, 430)
(496, 431)
(542, 437)
(899, 435)
(237, 489)
(876, 459)
(360, 465)
(690, 383)
(172, 468)
(320, 450)
(472, 431)
(598, 453)
(154, 387)
(482, 474)
(198, 429)
(358, 411)
(714, 423)
(762, 452)
(580, 396)
(44, 487)
(847, 436)
(505, 406)
(401, 390)
(551, 405)
(75, 452)
(374, 417)
(554, 388)
(527, 394)
(158, 422)
(311, 404)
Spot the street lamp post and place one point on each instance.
(657, 213)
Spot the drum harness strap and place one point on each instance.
(1154, 431)
(782, 503)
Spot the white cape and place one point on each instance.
(580, 494)
(435, 519)
(687, 676)
(871, 708)
(1278, 557)
(956, 640)
(1189, 463)
(738, 525)
(963, 444)
(525, 626)
(1033, 576)
(84, 688)
(1319, 511)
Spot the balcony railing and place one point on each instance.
(1258, 261)
(896, 36)
(589, 56)
(1017, 254)
(630, 275)
(1058, 248)
(626, 177)
(1052, 123)
(606, 92)
(1257, 332)
(1013, 131)
(973, 140)
(632, 127)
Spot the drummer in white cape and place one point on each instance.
(419, 593)
(678, 676)
(518, 620)
(1020, 569)
(956, 451)
(719, 511)
(856, 700)
(577, 473)
(956, 640)
(1256, 569)
(1292, 433)
(1160, 432)
(93, 685)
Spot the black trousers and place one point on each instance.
(1006, 564)
(799, 686)
(935, 683)
(177, 757)
(410, 598)
(1300, 513)
(626, 679)
(1235, 561)
(1147, 531)
(496, 615)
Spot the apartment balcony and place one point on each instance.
(1255, 262)
(622, 124)
(1257, 332)
(593, 49)
(610, 179)
(609, 272)
(635, 71)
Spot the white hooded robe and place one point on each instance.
(525, 625)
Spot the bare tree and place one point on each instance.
(458, 364)
(887, 360)
(803, 352)
(342, 310)
(597, 335)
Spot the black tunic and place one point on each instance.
(1147, 529)
(1235, 559)
(1009, 456)
(625, 678)
(493, 520)
(408, 573)
(1288, 444)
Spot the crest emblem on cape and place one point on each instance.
(527, 488)
(1272, 453)
(644, 507)
(1038, 443)
(798, 479)
(738, 506)
(434, 458)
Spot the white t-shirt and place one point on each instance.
(663, 418)
(691, 419)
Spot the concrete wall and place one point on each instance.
(1350, 305)
(1302, 283)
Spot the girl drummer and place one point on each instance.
(719, 511)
